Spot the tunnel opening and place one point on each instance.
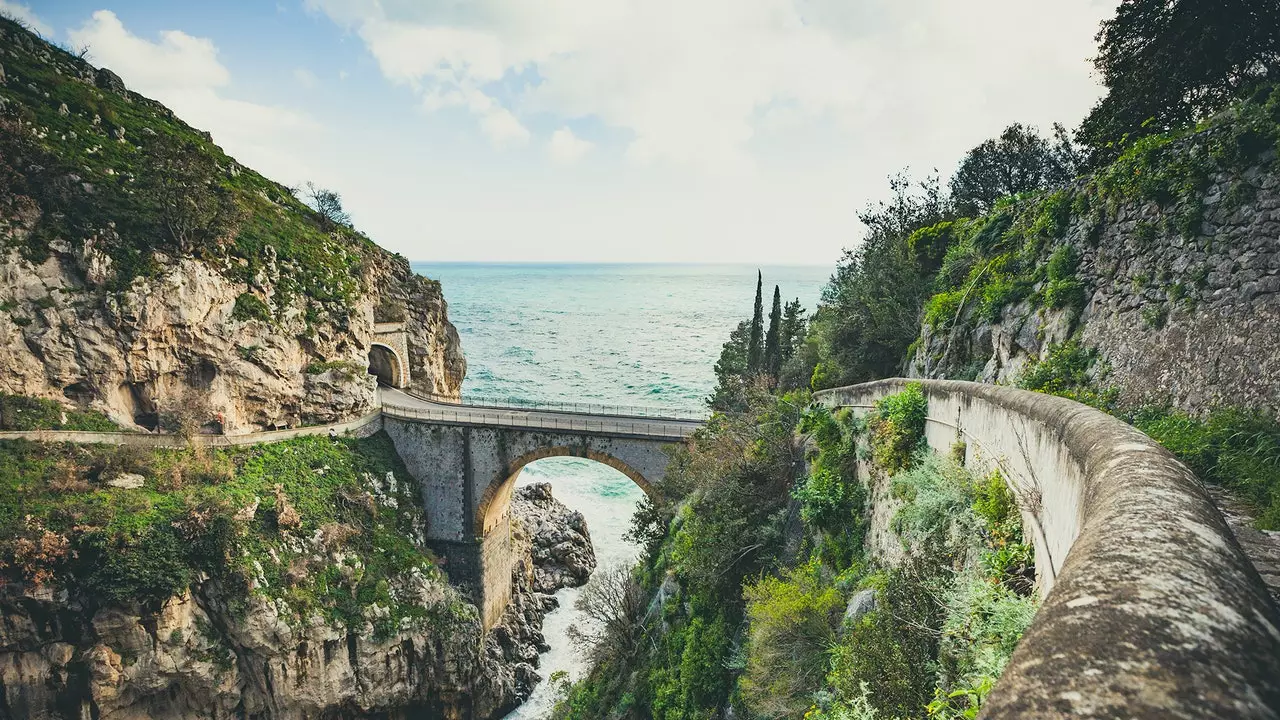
(385, 365)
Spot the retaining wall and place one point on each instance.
(1151, 609)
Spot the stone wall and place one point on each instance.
(1151, 609)
(1189, 321)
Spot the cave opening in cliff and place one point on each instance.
(385, 364)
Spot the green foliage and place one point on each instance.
(941, 309)
(792, 621)
(1071, 371)
(250, 307)
(147, 544)
(1237, 449)
(888, 655)
(832, 500)
(1167, 64)
(20, 412)
(897, 427)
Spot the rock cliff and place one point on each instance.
(212, 652)
(1179, 297)
(145, 273)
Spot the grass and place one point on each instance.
(329, 528)
(19, 412)
(276, 232)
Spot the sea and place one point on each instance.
(619, 334)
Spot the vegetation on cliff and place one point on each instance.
(327, 527)
(82, 157)
(766, 598)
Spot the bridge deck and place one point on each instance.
(401, 405)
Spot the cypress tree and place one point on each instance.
(772, 346)
(755, 346)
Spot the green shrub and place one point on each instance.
(250, 307)
(897, 427)
(792, 622)
(941, 309)
(1059, 294)
(1071, 371)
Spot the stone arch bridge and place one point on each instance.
(466, 458)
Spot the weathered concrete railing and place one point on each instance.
(1151, 610)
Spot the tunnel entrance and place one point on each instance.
(385, 364)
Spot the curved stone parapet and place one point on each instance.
(1151, 609)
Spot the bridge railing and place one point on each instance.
(513, 403)
(570, 422)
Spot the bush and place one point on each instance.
(942, 308)
(1071, 371)
(250, 307)
(792, 623)
(897, 427)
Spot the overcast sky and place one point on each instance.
(598, 130)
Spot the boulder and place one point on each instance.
(127, 481)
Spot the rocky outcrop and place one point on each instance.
(212, 653)
(1190, 321)
(200, 657)
(561, 544)
(175, 336)
(161, 276)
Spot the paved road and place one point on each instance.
(397, 404)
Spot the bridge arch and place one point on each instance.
(385, 362)
(495, 502)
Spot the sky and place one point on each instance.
(598, 130)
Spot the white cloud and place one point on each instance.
(693, 81)
(567, 148)
(184, 73)
(306, 78)
(25, 14)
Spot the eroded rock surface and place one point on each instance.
(561, 544)
(174, 336)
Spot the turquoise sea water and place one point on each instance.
(615, 334)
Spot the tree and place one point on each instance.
(613, 604)
(1167, 63)
(731, 371)
(1018, 161)
(328, 204)
(794, 326)
(772, 339)
(755, 348)
(181, 185)
(871, 306)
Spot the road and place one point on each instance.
(407, 407)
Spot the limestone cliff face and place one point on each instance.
(196, 657)
(205, 655)
(1191, 321)
(175, 335)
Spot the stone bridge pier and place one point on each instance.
(467, 471)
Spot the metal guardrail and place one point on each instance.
(551, 420)
(512, 403)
